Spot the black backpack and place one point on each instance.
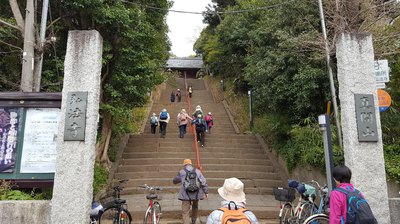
(358, 210)
(191, 182)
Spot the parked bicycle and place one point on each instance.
(320, 216)
(295, 213)
(115, 212)
(153, 213)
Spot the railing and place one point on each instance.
(192, 129)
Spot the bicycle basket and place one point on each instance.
(310, 190)
(284, 194)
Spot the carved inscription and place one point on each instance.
(75, 118)
(366, 118)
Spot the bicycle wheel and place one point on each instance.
(306, 211)
(317, 219)
(285, 214)
(112, 215)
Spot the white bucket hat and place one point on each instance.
(232, 190)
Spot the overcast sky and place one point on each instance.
(184, 28)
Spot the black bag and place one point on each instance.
(191, 182)
(358, 210)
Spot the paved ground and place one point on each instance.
(170, 204)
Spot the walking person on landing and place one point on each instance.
(190, 90)
(193, 188)
(172, 97)
(200, 125)
(233, 205)
(164, 119)
(153, 123)
(182, 121)
(209, 121)
(347, 204)
(178, 95)
(197, 112)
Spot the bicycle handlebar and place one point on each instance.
(151, 187)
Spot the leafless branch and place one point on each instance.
(54, 21)
(11, 45)
(10, 25)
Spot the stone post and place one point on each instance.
(355, 62)
(72, 193)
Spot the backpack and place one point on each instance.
(200, 123)
(182, 117)
(163, 115)
(153, 120)
(208, 118)
(197, 112)
(358, 210)
(235, 215)
(191, 182)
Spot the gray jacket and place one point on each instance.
(186, 196)
(216, 216)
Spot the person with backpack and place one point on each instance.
(163, 120)
(209, 121)
(347, 204)
(193, 188)
(233, 208)
(190, 90)
(178, 95)
(182, 121)
(197, 112)
(200, 125)
(153, 123)
(172, 97)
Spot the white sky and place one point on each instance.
(185, 28)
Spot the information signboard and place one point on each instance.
(384, 100)
(381, 71)
(39, 144)
(9, 131)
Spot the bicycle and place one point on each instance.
(153, 213)
(320, 215)
(289, 213)
(116, 211)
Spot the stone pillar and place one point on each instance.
(355, 62)
(72, 193)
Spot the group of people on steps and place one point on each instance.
(202, 123)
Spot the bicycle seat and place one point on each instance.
(151, 196)
(120, 201)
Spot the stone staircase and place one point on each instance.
(149, 159)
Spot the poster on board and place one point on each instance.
(40, 138)
(9, 122)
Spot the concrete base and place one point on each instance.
(32, 212)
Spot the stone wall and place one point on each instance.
(32, 212)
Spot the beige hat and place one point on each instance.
(187, 162)
(183, 110)
(232, 190)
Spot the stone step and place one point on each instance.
(189, 143)
(207, 169)
(154, 140)
(213, 135)
(212, 190)
(204, 161)
(203, 154)
(212, 182)
(188, 147)
(132, 173)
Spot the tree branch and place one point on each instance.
(11, 25)
(54, 21)
(17, 14)
(11, 45)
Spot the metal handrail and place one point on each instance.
(192, 129)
